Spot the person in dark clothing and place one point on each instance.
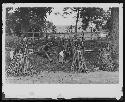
(45, 50)
(82, 36)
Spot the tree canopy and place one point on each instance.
(24, 17)
(96, 15)
(49, 27)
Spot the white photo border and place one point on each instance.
(64, 90)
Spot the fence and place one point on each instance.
(87, 35)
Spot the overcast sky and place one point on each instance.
(59, 20)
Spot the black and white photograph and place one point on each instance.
(63, 48)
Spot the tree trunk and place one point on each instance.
(115, 30)
(71, 28)
(77, 20)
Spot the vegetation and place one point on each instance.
(31, 18)
(24, 17)
(88, 14)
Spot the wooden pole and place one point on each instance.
(48, 56)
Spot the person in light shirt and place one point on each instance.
(11, 54)
(61, 57)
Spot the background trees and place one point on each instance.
(24, 17)
(72, 10)
(114, 29)
(49, 27)
(112, 25)
(88, 14)
(108, 20)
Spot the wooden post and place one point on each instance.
(48, 56)
(91, 33)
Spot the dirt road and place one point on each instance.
(99, 77)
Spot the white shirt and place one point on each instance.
(24, 39)
(79, 51)
(11, 54)
(61, 53)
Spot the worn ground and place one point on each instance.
(99, 77)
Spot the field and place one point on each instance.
(64, 77)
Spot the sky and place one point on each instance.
(59, 20)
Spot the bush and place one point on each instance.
(107, 61)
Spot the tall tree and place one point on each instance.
(93, 14)
(70, 10)
(114, 32)
(26, 16)
(77, 17)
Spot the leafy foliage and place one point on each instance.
(91, 14)
(96, 15)
(24, 17)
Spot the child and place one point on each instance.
(11, 54)
(61, 56)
